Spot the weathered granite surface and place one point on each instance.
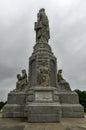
(43, 95)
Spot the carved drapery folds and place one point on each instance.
(43, 76)
(42, 27)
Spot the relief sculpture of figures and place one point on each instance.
(62, 81)
(43, 76)
(22, 80)
(42, 27)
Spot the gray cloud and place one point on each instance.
(17, 38)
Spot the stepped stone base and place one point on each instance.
(43, 104)
(72, 110)
(15, 105)
(13, 110)
(70, 106)
(68, 97)
(43, 112)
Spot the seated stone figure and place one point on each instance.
(22, 80)
(62, 81)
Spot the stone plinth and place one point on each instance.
(43, 112)
(70, 106)
(15, 105)
(72, 110)
(45, 106)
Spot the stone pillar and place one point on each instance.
(42, 57)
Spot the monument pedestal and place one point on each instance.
(43, 112)
(70, 106)
(44, 107)
(72, 110)
(15, 105)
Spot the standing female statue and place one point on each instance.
(42, 27)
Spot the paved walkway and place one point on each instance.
(22, 124)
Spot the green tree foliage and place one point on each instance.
(2, 104)
(82, 97)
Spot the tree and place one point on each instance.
(2, 104)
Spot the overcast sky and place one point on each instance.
(67, 19)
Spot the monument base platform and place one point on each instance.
(15, 105)
(47, 105)
(43, 112)
(72, 111)
(70, 106)
(13, 110)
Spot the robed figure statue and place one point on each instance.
(42, 27)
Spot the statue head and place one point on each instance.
(60, 71)
(18, 76)
(42, 10)
(23, 71)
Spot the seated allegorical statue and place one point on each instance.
(21, 80)
(62, 81)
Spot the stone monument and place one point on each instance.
(44, 95)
